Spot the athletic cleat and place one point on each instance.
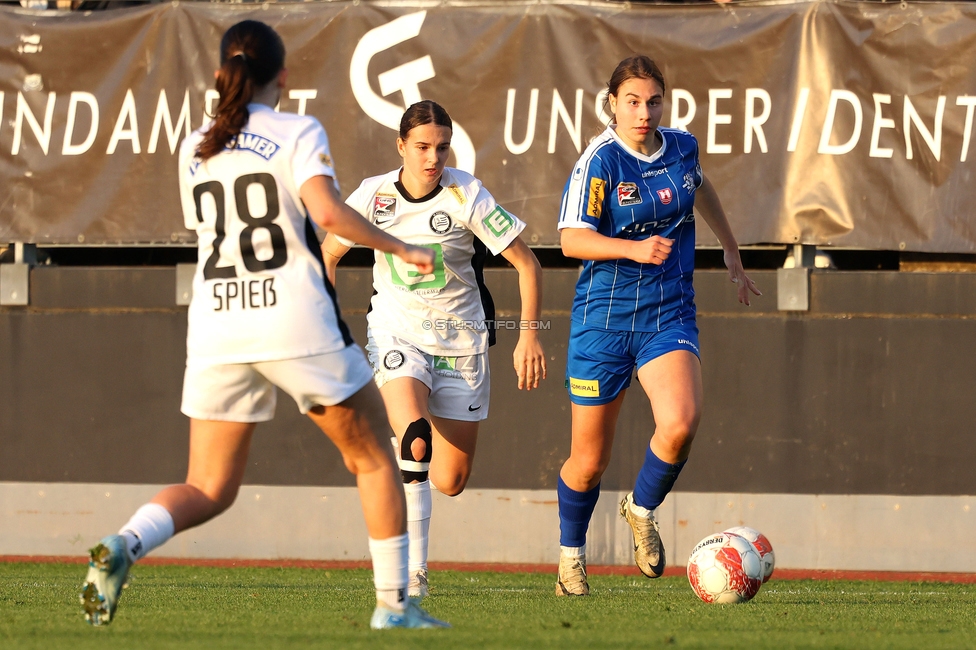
(108, 571)
(648, 549)
(571, 579)
(417, 587)
(412, 616)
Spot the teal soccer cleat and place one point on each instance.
(412, 616)
(108, 571)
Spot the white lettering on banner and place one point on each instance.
(880, 122)
(798, 113)
(679, 121)
(43, 135)
(522, 147)
(715, 118)
(574, 127)
(302, 96)
(965, 100)
(911, 116)
(405, 78)
(837, 95)
(119, 133)
(89, 100)
(754, 123)
(163, 118)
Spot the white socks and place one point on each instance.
(390, 570)
(573, 551)
(149, 527)
(418, 523)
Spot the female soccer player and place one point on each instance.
(263, 314)
(428, 340)
(627, 211)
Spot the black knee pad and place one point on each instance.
(416, 469)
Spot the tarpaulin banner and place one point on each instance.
(836, 124)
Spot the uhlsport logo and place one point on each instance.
(393, 360)
(688, 343)
(440, 222)
(665, 195)
(384, 207)
(584, 387)
(628, 194)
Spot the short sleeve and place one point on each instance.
(360, 202)
(585, 196)
(312, 156)
(492, 224)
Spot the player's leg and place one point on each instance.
(673, 384)
(598, 370)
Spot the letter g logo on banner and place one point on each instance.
(406, 78)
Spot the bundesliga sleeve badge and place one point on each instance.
(628, 194)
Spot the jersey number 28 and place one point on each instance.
(216, 190)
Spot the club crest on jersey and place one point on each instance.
(665, 195)
(384, 206)
(440, 222)
(393, 360)
(628, 194)
(256, 144)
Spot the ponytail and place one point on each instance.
(251, 54)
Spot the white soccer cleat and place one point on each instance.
(648, 549)
(108, 570)
(412, 616)
(571, 579)
(417, 587)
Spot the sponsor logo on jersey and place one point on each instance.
(665, 195)
(384, 207)
(458, 194)
(651, 173)
(584, 387)
(393, 360)
(325, 159)
(440, 222)
(256, 144)
(628, 194)
(594, 203)
(499, 222)
(689, 182)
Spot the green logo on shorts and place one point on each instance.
(445, 363)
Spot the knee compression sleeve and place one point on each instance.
(415, 469)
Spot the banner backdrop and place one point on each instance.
(844, 124)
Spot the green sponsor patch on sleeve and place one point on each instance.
(498, 222)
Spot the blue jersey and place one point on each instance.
(621, 193)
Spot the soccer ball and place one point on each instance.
(725, 568)
(762, 545)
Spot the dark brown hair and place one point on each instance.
(635, 67)
(251, 55)
(424, 112)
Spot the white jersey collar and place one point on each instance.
(612, 130)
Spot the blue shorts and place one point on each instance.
(600, 362)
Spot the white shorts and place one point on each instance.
(459, 386)
(245, 392)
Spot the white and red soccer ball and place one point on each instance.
(725, 568)
(762, 545)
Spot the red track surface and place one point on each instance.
(780, 574)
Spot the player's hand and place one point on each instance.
(738, 276)
(530, 361)
(422, 258)
(653, 250)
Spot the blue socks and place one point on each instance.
(655, 480)
(575, 510)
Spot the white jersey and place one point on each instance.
(443, 310)
(260, 291)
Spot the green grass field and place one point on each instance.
(197, 607)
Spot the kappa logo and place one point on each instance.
(440, 222)
(384, 207)
(393, 360)
(628, 194)
(665, 195)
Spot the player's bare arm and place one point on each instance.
(529, 357)
(332, 252)
(709, 206)
(586, 244)
(331, 214)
